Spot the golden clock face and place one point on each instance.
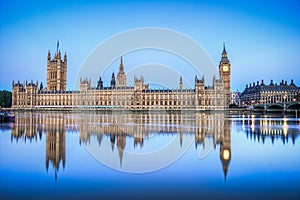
(226, 154)
(225, 68)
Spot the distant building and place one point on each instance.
(119, 94)
(235, 98)
(260, 93)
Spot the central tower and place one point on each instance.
(224, 70)
(121, 78)
(56, 71)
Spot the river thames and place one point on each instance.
(149, 155)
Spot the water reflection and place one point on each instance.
(30, 126)
(119, 128)
(38, 146)
(260, 128)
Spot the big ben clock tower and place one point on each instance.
(224, 70)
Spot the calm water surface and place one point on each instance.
(96, 155)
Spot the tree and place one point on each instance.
(5, 99)
(233, 105)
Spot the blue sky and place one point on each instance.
(262, 37)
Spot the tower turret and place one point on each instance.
(41, 86)
(57, 46)
(224, 54)
(180, 83)
(65, 57)
(58, 55)
(121, 65)
(113, 81)
(56, 71)
(49, 55)
(100, 84)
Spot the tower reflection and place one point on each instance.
(55, 141)
(216, 126)
(118, 128)
(225, 148)
(31, 126)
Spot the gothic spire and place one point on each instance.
(180, 83)
(113, 80)
(225, 170)
(224, 49)
(49, 55)
(57, 46)
(121, 68)
(224, 54)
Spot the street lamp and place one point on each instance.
(284, 97)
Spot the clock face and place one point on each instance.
(225, 68)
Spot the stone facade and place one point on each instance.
(224, 70)
(56, 71)
(260, 93)
(118, 95)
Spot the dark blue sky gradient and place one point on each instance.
(262, 37)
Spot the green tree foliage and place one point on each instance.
(5, 99)
(233, 105)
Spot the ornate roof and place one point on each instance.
(283, 86)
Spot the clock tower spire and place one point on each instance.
(224, 70)
(121, 78)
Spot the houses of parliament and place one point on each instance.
(32, 95)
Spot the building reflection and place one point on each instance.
(31, 126)
(216, 126)
(225, 147)
(26, 128)
(55, 142)
(274, 128)
(119, 127)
